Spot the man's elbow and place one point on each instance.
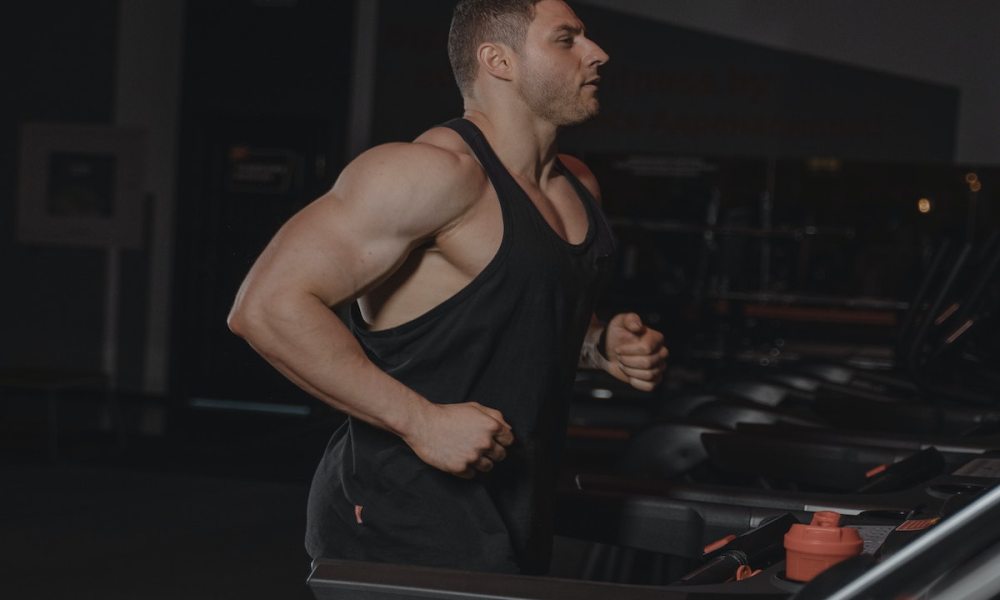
(261, 315)
(245, 317)
(238, 321)
(257, 316)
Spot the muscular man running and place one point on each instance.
(474, 254)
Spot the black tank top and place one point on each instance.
(510, 340)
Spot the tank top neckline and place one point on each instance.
(584, 196)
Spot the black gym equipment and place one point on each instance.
(954, 298)
(973, 477)
(943, 551)
(676, 519)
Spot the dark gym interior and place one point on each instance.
(805, 198)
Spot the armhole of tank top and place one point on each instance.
(360, 326)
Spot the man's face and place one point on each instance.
(558, 66)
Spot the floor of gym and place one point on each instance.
(215, 514)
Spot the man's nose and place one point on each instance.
(596, 54)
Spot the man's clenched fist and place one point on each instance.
(635, 352)
(460, 439)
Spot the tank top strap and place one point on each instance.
(506, 186)
(474, 138)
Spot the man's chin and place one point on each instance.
(582, 118)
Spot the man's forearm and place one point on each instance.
(308, 344)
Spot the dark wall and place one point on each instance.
(669, 89)
(265, 90)
(61, 63)
(673, 89)
(414, 86)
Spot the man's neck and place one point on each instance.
(524, 143)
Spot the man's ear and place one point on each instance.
(496, 60)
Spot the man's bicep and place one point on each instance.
(331, 251)
(386, 202)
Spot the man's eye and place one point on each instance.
(565, 40)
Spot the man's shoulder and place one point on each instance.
(437, 161)
(434, 149)
(433, 166)
(445, 139)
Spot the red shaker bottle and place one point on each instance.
(811, 549)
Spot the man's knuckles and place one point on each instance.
(644, 361)
(641, 348)
(505, 437)
(644, 374)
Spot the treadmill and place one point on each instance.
(960, 553)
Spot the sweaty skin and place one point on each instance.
(407, 225)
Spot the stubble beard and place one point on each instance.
(560, 104)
